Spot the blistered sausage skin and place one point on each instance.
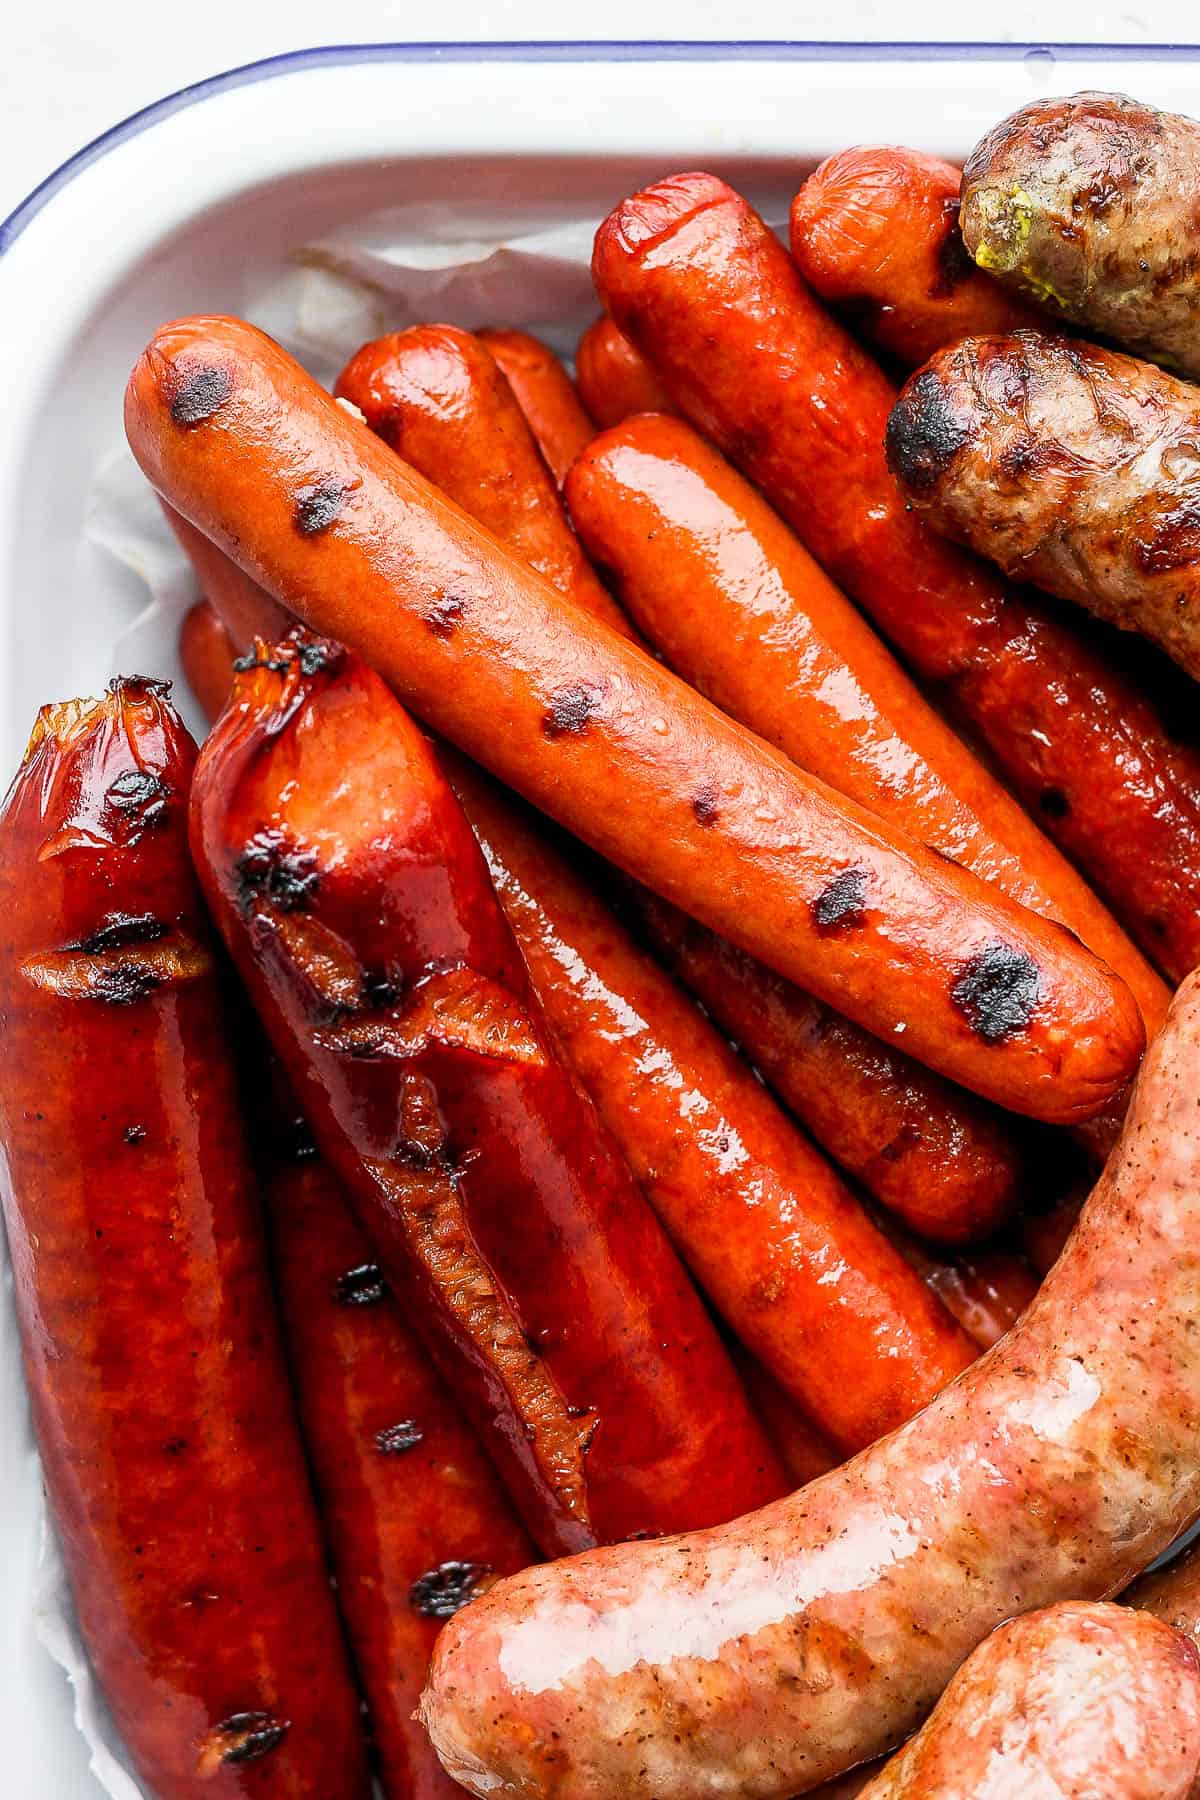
(775, 1239)
(1089, 204)
(614, 377)
(330, 520)
(546, 395)
(735, 604)
(767, 1656)
(358, 908)
(439, 399)
(1071, 467)
(168, 1438)
(874, 231)
(695, 277)
(1074, 1702)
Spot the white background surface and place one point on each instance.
(69, 70)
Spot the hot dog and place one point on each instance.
(802, 410)
(804, 1452)
(931, 1153)
(1076, 1699)
(874, 231)
(206, 651)
(358, 907)
(614, 377)
(246, 610)
(160, 1399)
(767, 1655)
(337, 528)
(780, 1246)
(545, 394)
(1086, 487)
(436, 396)
(1089, 204)
(735, 604)
(417, 1521)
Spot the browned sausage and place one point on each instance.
(1075, 1700)
(168, 1439)
(436, 396)
(233, 432)
(694, 276)
(1071, 467)
(770, 1654)
(874, 231)
(206, 651)
(614, 377)
(546, 395)
(359, 910)
(1089, 203)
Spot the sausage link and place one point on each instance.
(160, 1399)
(766, 1656)
(1076, 1700)
(735, 604)
(417, 1521)
(694, 276)
(436, 396)
(1089, 203)
(1071, 467)
(874, 231)
(614, 377)
(206, 651)
(546, 395)
(358, 908)
(245, 609)
(572, 715)
(930, 1152)
(773, 1237)
(804, 1452)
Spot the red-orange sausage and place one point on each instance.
(735, 604)
(614, 377)
(874, 230)
(168, 1438)
(780, 1246)
(575, 717)
(358, 907)
(206, 651)
(417, 1521)
(694, 276)
(545, 394)
(435, 395)
(245, 609)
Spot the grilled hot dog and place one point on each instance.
(545, 394)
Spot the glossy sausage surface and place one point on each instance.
(614, 377)
(358, 908)
(766, 1656)
(694, 276)
(160, 1399)
(781, 1247)
(440, 400)
(874, 231)
(734, 603)
(546, 395)
(1070, 1703)
(334, 524)
(1086, 486)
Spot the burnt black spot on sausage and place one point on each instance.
(269, 870)
(441, 1592)
(443, 615)
(252, 660)
(570, 711)
(136, 802)
(923, 436)
(135, 1134)
(998, 991)
(396, 1439)
(706, 804)
(125, 983)
(1054, 803)
(317, 656)
(842, 901)
(251, 1735)
(200, 393)
(952, 260)
(362, 1285)
(119, 929)
(316, 507)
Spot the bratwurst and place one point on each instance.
(1070, 466)
(770, 1654)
